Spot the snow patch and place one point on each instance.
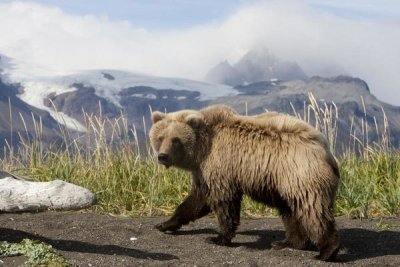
(35, 93)
(148, 96)
(41, 87)
(66, 120)
(110, 88)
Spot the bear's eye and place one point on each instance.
(175, 141)
(160, 138)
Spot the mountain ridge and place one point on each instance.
(256, 65)
(111, 93)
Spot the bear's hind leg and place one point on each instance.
(328, 243)
(192, 208)
(320, 228)
(295, 235)
(228, 213)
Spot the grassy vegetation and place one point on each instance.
(369, 186)
(37, 253)
(106, 161)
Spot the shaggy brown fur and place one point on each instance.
(275, 159)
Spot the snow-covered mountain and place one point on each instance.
(64, 97)
(112, 86)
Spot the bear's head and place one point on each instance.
(174, 137)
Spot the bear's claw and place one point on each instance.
(167, 226)
(328, 254)
(285, 243)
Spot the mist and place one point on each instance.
(44, 40)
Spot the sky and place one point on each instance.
(184, 38)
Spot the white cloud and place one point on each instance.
(372, 8)
(47, 39)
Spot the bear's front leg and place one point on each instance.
(193, 207)
(228, 213)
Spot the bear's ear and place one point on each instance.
(194, 120)
(157, 116)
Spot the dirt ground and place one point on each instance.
(88, 239)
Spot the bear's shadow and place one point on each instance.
(363, 244)
(16, 236)
(262, 243)
(357, 244)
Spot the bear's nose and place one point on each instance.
(163, 158)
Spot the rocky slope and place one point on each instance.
(16, 117)
(355, 104)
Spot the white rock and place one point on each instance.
(20, 195)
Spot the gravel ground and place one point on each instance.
(89, 239)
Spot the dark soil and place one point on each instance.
(88, 239)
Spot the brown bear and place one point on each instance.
(274, 158)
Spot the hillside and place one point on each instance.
(354, 102)
(16, 116)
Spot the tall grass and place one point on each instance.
(109, 160)
(370, 171)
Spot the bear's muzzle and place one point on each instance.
(164, 159)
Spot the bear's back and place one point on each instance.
(269, 124)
